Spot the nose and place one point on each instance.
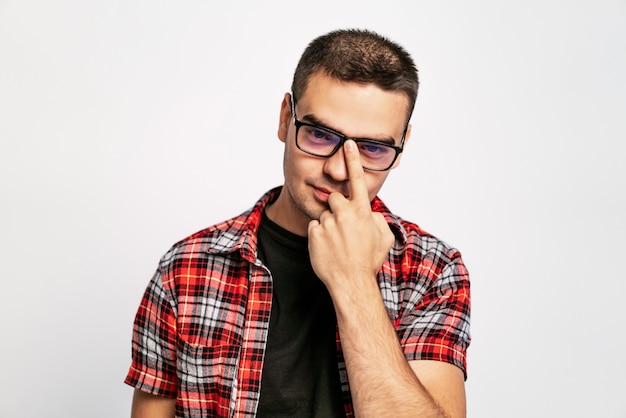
(335, 166)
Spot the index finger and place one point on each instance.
(356, 174)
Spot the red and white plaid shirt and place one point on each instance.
(201, 329)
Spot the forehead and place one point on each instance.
(355, 109)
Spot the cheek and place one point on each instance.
(375, 182)
(298, 164)
(292, 162)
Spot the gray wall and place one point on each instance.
(125, 126)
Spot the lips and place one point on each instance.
(323, 193)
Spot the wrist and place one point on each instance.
(354, 295)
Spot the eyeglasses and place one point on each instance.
(324, 142)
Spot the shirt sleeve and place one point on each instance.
(153, 366)
(436, 325)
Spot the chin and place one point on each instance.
(312, 210)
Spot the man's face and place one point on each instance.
(357, 111)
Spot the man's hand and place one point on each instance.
(349, 243)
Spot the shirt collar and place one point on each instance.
(242, 234)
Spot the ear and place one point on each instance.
(285, 118)
(408, 134)
(406, 140)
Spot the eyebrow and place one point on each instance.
(313, 120)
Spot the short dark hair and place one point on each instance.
(360, 56)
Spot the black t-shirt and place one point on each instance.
(300, 374)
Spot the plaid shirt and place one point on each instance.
(200, 331)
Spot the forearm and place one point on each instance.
(382, 382)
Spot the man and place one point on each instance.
(318, 301)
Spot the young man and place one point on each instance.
(318, 301)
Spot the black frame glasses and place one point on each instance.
(343, 138)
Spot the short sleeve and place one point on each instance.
(436, 327)
(153, 366)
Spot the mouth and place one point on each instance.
(322, 193)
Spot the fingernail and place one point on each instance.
(350, 145)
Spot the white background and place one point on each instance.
(127, 125)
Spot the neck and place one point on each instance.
(277, 212)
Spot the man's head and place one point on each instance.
(359, 56)
(348, 84)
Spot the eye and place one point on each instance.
(318, 133)
(319, 136)
(374, 150)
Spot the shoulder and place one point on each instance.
(412, 238)
(219, 237)
(236, 235)
(426, 244)
(419, 254)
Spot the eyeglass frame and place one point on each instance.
(343, 138)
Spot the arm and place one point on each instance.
(348, 246)
(381, 380)
(146, 405)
